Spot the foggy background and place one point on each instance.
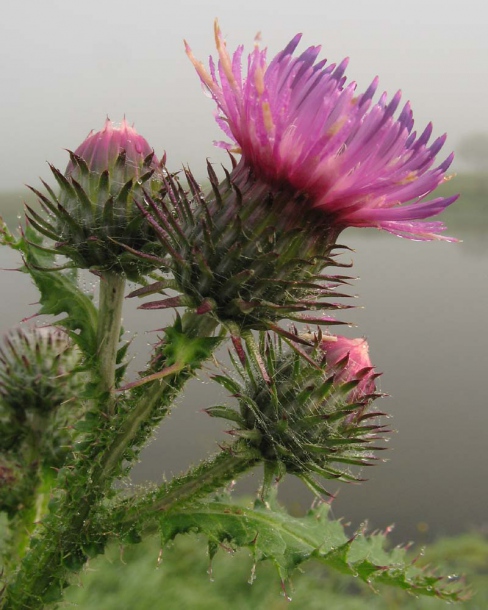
(65, 65)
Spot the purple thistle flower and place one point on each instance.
(299, 126)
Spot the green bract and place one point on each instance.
(245, 253)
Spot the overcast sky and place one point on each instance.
(65, 65)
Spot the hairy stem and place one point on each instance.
(151, 402)
(28, 517)
(208, 476)
(160, 395)
(108, 334)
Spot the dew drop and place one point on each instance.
(252, 576)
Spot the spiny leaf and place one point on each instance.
(59, 290)
(271, 533)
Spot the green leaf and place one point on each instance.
(59, 289)
(273, 534)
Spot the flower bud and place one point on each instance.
(304, 415)
(101, 150)
(41, 381)
(94, 219)
(37, 370)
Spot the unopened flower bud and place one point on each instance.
(41, 380)
(101, 151)
(94, 219)
(37, 368)
(303, 415)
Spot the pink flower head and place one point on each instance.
(349, 360)
(298, 125)
(101, 149)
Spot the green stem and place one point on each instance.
(40, 480)
(208, 476)
(161, 395)
(112, 288)
(155, 399)
(29, 516)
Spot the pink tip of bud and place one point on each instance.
(100, 149)
(349, 360)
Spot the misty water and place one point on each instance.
(422, 307)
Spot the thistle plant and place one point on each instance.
(253, 261)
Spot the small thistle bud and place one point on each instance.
(94, 218)
(36, 371)
(304, 415)
(101, 151)
(40, 386)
